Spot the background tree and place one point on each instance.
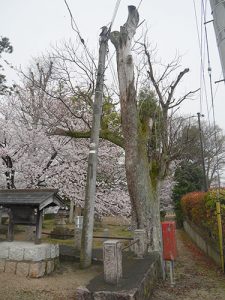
(5, 47)
(39, 159)
(213, 149)
(188, 177)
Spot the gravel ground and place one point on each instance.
(196, 276)
(59, 286)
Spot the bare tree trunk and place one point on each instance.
(136, 162)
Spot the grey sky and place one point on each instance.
(32, 25)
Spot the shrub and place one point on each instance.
(200, 208)
(192, 205)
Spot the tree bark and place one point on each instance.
(135, 139)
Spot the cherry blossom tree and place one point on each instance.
(39, 159)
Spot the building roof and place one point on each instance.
(40, 198)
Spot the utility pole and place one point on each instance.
(87, 232)
(202, 153)
(218, 11)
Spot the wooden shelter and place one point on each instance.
(25, 207)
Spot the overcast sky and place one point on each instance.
(33, 25)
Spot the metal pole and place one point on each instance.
(218, 11)
(202, 153)
(87, 232)
(172, 282)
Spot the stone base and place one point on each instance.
(28, 259)
(140, 277)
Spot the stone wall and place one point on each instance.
(207, 246)
(28, 259)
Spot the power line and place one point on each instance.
(114, 14)
(139, 4)
(76, 29)
(203, 11)
(202, 61)
(203, 17)
(217, 87)
(212, 98)
(112, 70)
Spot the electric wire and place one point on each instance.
(202, 60)
(217, 87)
(139, 4)
(76, 29)
(202, 71)
(211, 94)
(114, 13)
(109, 31)
(215, 131)
(112, 22)
(204, 10)
(207, 47)
(113, 72)
(203, 18)
(212, 101)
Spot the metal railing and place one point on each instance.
(95, 236)
(131, 244)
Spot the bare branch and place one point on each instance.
(186, 96)
(174, 85)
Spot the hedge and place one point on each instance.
(200, 208)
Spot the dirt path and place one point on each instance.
(196, 276)
(59, 286)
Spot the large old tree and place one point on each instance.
(145, 171)
(137, 168)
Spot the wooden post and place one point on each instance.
(38, 227)
(71, 215)
(87, 232)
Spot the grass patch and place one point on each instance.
(113, 231)
(48, 224)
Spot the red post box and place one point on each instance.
(169, 240)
